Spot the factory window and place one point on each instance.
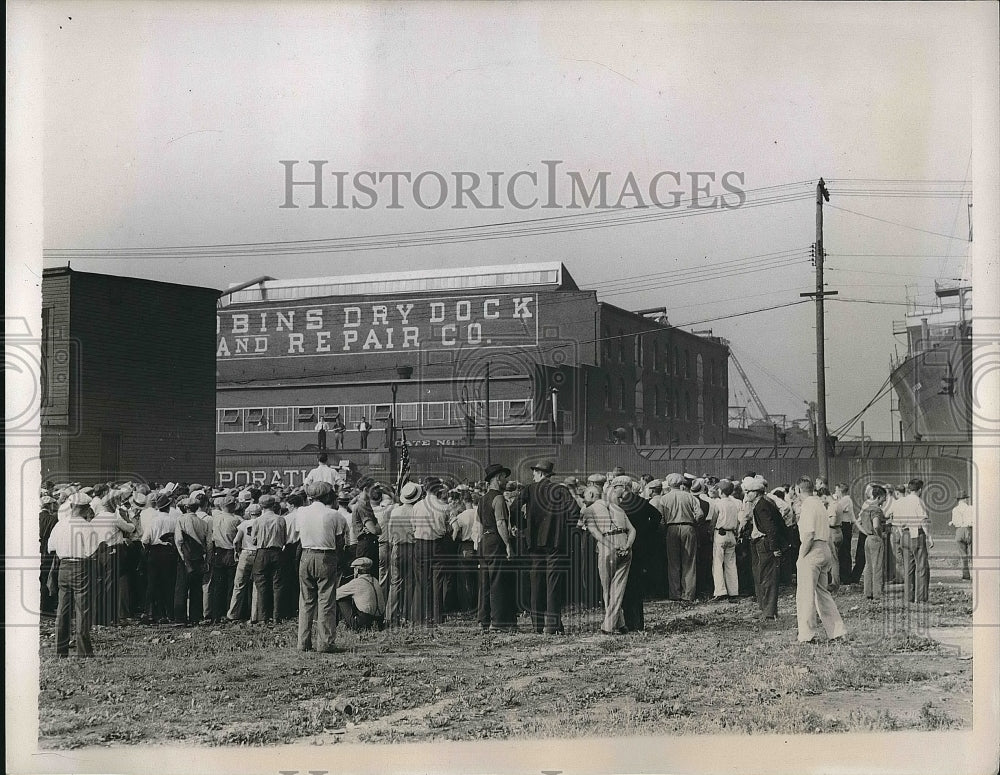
(657, 404)
(621, 346)
(687, 405)
(607, 394)
(434, 412)
(677, 362)
(638, 350)
(606, 343)
(621, 394)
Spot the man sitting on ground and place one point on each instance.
(361, 602)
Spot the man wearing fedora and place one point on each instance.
(496, 582)
(402, 575)
(549, 512)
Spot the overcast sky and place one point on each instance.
(164, 126)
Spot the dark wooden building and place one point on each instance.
(128, 379)
(564, 368)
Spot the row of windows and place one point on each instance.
(666, 358)
(665, 403)
(408, 415)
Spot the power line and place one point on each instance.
(503, 230)
(897, 223)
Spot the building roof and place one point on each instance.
(59, 271)
(552, 275)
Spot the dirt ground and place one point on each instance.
(705, 668)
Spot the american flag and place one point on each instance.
(404, 463)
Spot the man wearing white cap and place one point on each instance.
(766, 542)
(245, 547)
(361, 602)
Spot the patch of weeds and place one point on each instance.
(865, 720)
(936, 718)
(908, 642)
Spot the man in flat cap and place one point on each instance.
(680, 510)
(361, 602)
(767, 540)
(223, 524)
(550, 512)
(268, 569)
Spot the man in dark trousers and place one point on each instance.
(767, 538)
(645, 518)
(550, 511)
(496, 548)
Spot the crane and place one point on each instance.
(765, 415)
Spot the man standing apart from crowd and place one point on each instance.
(680, 509)
(550, 510)
(961, 519)
(910, 519)
(766, 542)
(815, 557)
(321, 428)
(496, 582)
(322, 531)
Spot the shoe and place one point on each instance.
(734, 598)
(718, 599)
(606, 632)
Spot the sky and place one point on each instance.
(164, 125)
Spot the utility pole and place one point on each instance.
(821, 435)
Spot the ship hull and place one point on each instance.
(934, 389)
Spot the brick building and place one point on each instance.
(563, 367)
(128, 379)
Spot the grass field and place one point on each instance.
(707, 668)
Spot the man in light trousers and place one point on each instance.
(815, 560)
(322, 531)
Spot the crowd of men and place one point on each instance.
(348, 548)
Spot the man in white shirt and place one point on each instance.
(912, 526)
(815, 559)
(75, 542)
(245, 548)
(465, 532)
(324, 473)
(961, 519)
(321, 428)
(158, 538)
(322, 531)
(724, 544)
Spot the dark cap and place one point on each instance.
(545, 466)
